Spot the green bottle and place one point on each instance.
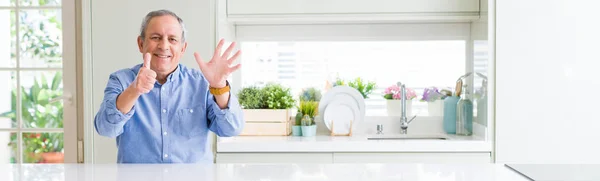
(464, 114)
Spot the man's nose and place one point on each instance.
(164, 44)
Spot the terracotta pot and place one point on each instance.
(53, 157)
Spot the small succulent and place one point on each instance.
(307, 111)
(298, 120)
(307, 120)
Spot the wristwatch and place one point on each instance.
(220, 91)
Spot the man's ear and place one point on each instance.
(140, 43)
(184, 47)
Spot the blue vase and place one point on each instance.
(450, 114)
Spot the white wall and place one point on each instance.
(115, 27)
(547, 75)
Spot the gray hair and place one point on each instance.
(158, 13)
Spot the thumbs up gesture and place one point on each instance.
(146, 77)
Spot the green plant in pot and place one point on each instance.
(278, 97)
(39, 112)
(310, 94)
(271, 103)
(308, 109)
(252, 97)
(364, 87)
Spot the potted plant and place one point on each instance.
(308, 109)
(435, 100)
(311, 95)
(267, 109)
(392, 95)
(39, 112)
(365, 88)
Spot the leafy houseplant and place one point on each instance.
(278, 97)
(269, 104)
(252, 98)
(39, 112)
(310, 94)
(365, 88)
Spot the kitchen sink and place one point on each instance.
(407, 137)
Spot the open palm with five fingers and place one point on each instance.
(220, 66)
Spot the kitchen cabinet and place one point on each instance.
(312, 7)
(482, 157)
(557, 46)
(274, 158)
(359, 157)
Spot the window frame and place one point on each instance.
(353, 32)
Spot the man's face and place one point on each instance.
(163, 41)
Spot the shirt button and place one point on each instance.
(165, 133)
(191, 110)
(164, 110)
(166, 155)
(162, 88)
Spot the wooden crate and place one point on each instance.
(267, 122)
(267, 115)
(267, 129)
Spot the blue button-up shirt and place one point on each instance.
(171, 123)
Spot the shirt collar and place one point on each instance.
(175, 75)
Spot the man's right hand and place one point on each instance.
(146, 77)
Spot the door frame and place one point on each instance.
(87, 127)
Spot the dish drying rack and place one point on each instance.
(340, 134)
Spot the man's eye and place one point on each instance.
(173, 39)
(154, 38)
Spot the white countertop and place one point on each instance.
(569, 172)
(239, 172)
(357, 143)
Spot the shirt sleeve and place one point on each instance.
(109, 120)
(225, 122)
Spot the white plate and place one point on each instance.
(350, 93)
(341, 112)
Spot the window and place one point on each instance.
(300, 56)
(33, 59)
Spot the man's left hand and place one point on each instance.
(219, 67)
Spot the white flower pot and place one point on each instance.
(394, 107)
(436, 108)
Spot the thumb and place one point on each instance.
(147, 58)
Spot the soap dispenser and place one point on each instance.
(464, 114)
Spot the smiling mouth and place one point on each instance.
(162, 56)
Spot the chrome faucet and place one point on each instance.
(403, 119)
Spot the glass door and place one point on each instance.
(37, 81)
